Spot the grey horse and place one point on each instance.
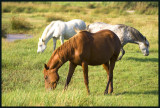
(126, 35)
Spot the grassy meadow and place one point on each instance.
(135, 80)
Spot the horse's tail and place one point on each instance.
(87, 28)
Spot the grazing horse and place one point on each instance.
(59, 29)
(126, 35)
(84, 49)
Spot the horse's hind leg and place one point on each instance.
(110, 75)
(106, 67)
(70, 73)
(123, 52)
(85, 73)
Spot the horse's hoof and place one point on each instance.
(118, 59)
(105, 93)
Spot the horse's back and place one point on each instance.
(120, 30)
(108, 41)
(76, 23)
(69, 31)
(98, 48)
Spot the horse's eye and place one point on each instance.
(46, 77)
(54, 82)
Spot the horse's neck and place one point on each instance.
(61, 55)
(138, 40)
(55, 62)
(66, 51)
(48, 33)
(47, 38)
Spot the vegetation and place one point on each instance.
(135, 80)
(32, 7)
(18, 23)
(4, 32)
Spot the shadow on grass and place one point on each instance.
(153, 92)
(143, 59)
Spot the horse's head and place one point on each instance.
(144, 46)
(51, 77)
(41, 45)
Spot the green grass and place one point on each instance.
(135, 80)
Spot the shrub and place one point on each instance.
(101, 11)
(91, 6)
(18, 23)
(7, 9)
(73, 9)
(18, 10)
(4, 32)
(30, 10)
(50, 18)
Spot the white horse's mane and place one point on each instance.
(47, 29)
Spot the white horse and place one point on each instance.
(61, 30)
(126, 35)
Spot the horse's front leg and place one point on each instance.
(123, 52)
(85, 73)
(62, 39)
(70, 73)
(54, 43)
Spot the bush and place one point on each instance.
(18, 10)
(72, 9)
(101, 10)
(24, 9)
(30, 10)
(50, 18)
(18, 23)
(91, 6)
(7, 9)
(4, 32)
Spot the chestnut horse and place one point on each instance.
(84, 49)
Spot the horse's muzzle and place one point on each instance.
(39, 51)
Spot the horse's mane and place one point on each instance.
(48, 28)
(135, 33)
(66, 48)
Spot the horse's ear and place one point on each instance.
(46, 66)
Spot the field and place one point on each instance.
(135, 80)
